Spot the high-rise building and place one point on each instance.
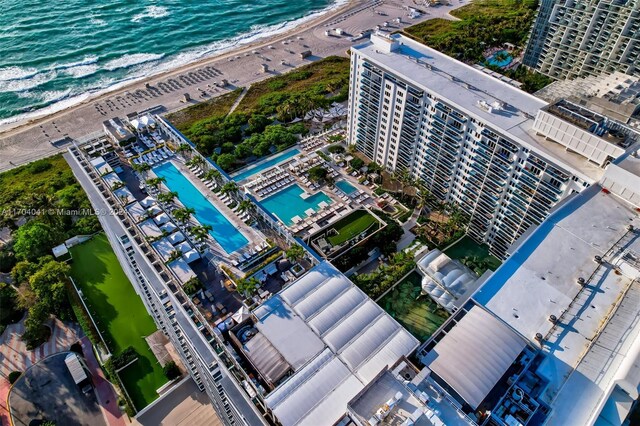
(579, 38)
(506, 157)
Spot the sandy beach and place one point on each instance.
(23, 142)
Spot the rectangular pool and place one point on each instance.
(229, 238)
(252, 169)
(346, 187)
(288, 203)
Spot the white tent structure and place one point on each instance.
(475, 354)
(449, 283)
(176, 238)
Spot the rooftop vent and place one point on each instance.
(581, 281)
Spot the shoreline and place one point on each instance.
(198, 81)
(124, 86)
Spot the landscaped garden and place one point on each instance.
(120, 315)
(350, 226)
(473, 255)
(415, 311)
(262, 122)
(484, 24)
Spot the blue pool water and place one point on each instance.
(288, 203)
(503, 63)
(346, 187)
(223, 231)
(252, 170)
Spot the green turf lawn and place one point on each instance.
(467, 248)
(121, 317)
(350, 226)
(417, 313)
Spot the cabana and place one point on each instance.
(111, 179)
(191, 256)
(162, 218)
(124, 195)
(168, 227)
(181, 270)
(164, 248)
(150, 229)
(147, 202)
(137, 212)
(176, 238)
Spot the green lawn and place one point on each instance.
(478, 257)
(121, 317)
(416, 312)
(350, 226)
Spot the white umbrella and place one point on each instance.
(241, 315)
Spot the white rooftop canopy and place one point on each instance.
(345, 338)
(475, 354)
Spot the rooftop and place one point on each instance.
(537, 291)
(507, 108)
(336, 339)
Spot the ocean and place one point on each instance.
(53, 53)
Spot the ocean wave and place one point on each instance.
(87, 60)
(82, 71)
(148, 69)
(16, 73)
(27, 83)
(97, 22)
(127, 61)
(151, 12)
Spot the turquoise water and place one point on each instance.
(252, 170)
(503, 63)
(346, 187)
(288, 203)
(223, 231)
(54, 52)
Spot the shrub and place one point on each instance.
(123, 358)
(39, 166)
(336, 149)
(171, 370)
(13, 376)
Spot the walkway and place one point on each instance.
(408, 237)
(240, 98)
(105, 393)
(14, 355)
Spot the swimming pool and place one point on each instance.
(288, 203)
(253, 169)
(229, 238)
(346, 187)
(507, 58)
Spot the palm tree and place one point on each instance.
(175, 254)
(229, 188)
(155, 182)
(143, 168)
(167, 197)
(183, 215)
(201, 233)
(184, 149)
(212, 174)
(196, 161)
(245, 206)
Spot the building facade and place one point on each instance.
(468, 137)
(579, 38)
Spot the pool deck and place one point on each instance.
(249, 233)
(345, 202)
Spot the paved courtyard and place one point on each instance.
(46, 391)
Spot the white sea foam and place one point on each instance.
(27, 83)
(81, 71)
(16, 73)
(127, 61)
(151, 12)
